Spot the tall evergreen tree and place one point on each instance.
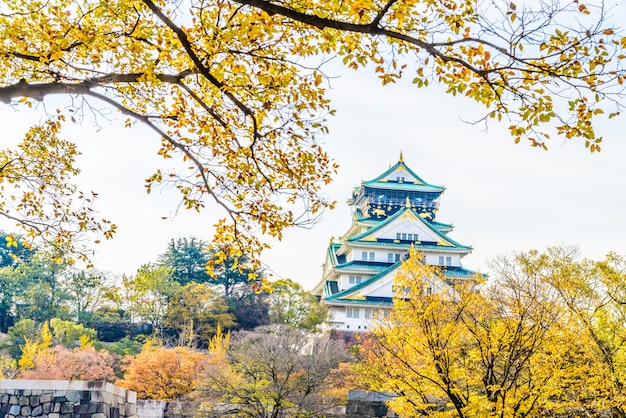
(187, 257)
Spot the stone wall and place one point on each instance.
(65, 399)
(79, 399)
(166, 409)
(363, 403)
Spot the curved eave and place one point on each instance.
(406, 186)
(365, 283)
(362, 267)
(442, 227)
(352, 302)
(459, 272)
(332, 252)
(392, 245)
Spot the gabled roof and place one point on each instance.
(403, 186)
(444, 240)
(409, 183)
(332, 295)
(365, 283)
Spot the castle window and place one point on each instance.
(368, 313)
(397, 257)
(364, 256)
(358, 279)
(352, 312)
(351, 279)
(448, 261)
(441, 260)
(404, 236)
(398, 235)
(390, 257)
(409, 237)
(371, 256)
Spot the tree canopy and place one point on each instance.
(188, 259)
(236, 90)
(275, 371)
(293, 306)
(544, 337)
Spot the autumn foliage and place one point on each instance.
(60, 363)
(236, 92)
(163, 373)
(545, 337)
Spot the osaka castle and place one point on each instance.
(390, 213)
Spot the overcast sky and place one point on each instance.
(501, 197)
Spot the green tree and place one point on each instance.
(9, 288)
(231, 88)
(13, 251)
(291, 305)
(23, 330)
(187, 257)
(148, 292)
(41, 293)
(29, 339)
(233, 273)
(249, 307)
(88, 291)
(69, 333)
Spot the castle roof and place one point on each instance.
(410, 181)
(407, 211)
(353, 294)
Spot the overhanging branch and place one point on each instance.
(38, 91)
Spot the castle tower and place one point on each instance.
(390, 213)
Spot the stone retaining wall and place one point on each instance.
(363, 403)
(95, 399)
(65, 399)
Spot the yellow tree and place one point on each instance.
(195, 313)
(36, 185)
(463, 351)
(593, 297)
(232, 90)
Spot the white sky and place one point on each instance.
(501, 197)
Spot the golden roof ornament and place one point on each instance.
(408, 202)
(401, 159)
